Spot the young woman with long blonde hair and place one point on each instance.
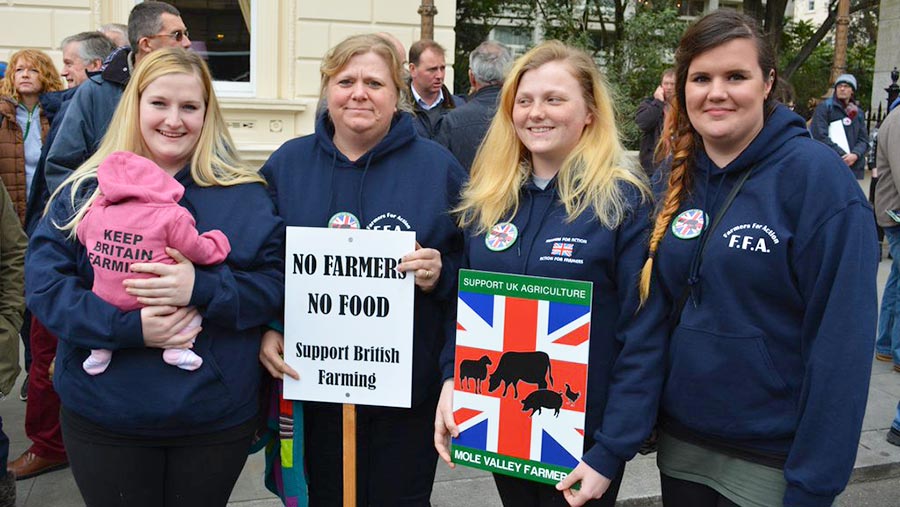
(552, 167)
(144, 433)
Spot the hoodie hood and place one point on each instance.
(401, 133)
(781, 126)
(124, 176)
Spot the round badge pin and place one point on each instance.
(847, 121)
(501, 237)
(343, 220)
(689, 224)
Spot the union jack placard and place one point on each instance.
(521, 374)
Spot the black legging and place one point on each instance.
(137, 473)
(681, 493)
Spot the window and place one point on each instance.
(811, 5)
(517, 39)
(221, 32)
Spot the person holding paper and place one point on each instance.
(144, 433)
(766, 248)
(365, 167)
(552, 166)
(841, 124)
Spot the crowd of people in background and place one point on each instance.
(733, 264)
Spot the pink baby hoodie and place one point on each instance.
(133, 220)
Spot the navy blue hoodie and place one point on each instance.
(140, 394)
(627, 345)
(774, 348)
(406, 183)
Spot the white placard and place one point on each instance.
(348, 316)
(838, 135)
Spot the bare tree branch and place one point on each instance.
(820, 34)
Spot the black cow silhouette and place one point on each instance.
(571, 395)
(542, 398)
(469, 368)
(528, 367)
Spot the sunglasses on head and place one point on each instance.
(178, 35)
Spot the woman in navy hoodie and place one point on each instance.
(365, 167)
(144, 433)
(552, 166)
(772, 281)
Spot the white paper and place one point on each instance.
(348, 317)
(838, 135)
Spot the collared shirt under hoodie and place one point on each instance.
(404, 183)
(772, 354)
(627, 345)
(88, 116)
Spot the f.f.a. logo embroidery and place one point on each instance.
(751, 237)
(564, 249)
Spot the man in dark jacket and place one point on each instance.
(853, 144)
(463, 129)
(151, 26)
(431, 98)
(649, 118)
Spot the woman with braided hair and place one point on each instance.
(765, 246)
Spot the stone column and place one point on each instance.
(887, 54)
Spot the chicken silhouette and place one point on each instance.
(571, 395)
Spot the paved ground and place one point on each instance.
(876, 471)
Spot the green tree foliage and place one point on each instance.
(645, 50)
(811, 80)
(634, 51)
(474, 21)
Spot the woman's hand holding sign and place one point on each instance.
(425, 263)
(271, 355)
(444, 425)
(593, 485)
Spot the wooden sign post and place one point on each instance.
(349, 455)
(348, 324)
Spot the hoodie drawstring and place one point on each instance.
(693, 280)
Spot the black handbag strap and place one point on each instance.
(704, 238)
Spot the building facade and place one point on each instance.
(264, 54)
(887, 52)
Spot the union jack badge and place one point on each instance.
(343, 220)
(501, 237)
(689, 224)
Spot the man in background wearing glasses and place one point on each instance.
(151, 26)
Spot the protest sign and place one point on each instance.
(348, 318)
(520, 380)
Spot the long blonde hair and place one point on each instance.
(590, 175)
(215, 161)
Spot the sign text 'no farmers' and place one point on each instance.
(348, 316)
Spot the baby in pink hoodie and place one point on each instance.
(134, 219)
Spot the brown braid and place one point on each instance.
(677, 189)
